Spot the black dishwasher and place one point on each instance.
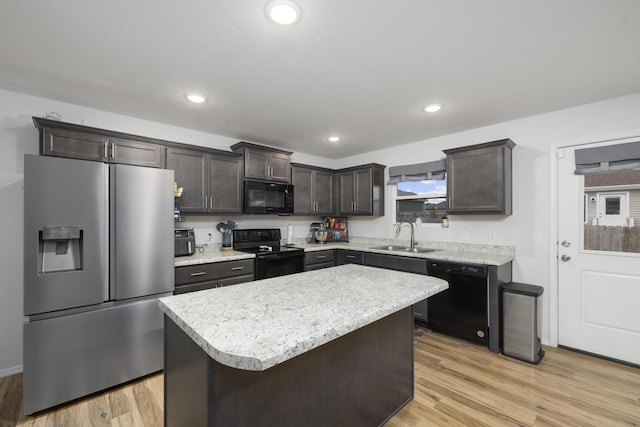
(461, 310)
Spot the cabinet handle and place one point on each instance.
(350, 256)
(237, 268)
(51, 142)
(266, 171)
(211, 202)
(270, 171)
(322, 257)
(113, 150)
(200, 273)
(106, 154)
(206, 202)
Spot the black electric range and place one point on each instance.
(272, 258)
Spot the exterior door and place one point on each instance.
(613, 209)
(598, 290)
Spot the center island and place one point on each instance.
(324, 347)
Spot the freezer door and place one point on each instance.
(65, 248)
(141, 231)
(71, 356)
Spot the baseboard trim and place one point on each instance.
(10, 371)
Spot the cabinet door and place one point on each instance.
(74, 145)
(303, 202)
(479, 179)
(363, 196)
(191, 171)
(135, 153)
(420, 310)
(346, 195)
(225, 184)
(256, 163)
(279, 167)
(323, 192)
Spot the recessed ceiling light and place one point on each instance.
(333, 139)
(432, 108)
(283, 12)
(196, 98)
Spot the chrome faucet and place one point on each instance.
(413, 240)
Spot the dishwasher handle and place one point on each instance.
(438, 268)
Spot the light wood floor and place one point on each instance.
(456, 383)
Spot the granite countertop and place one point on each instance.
(209, 255)
(474, 254)
(455, 252)
(257, 325)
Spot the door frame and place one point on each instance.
(555, 151)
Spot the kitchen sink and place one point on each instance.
(397, 248)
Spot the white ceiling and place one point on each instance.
(361, 69)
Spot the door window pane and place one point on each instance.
(612, 206)
(612, 209)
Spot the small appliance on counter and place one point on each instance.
(315, 226)
(226, 228)
(185, 241)
(330, 230)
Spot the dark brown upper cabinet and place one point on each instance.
(360, 190)
(479, 178)
(264, 163)
(63, 139)
(211, 179)
(313, 190)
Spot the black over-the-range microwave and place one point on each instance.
(267, 198)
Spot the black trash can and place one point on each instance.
(520, 317)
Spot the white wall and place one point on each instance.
(528, 229)
(534, 136)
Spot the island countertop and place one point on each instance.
(257, 325)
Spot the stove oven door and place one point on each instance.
(279, 264)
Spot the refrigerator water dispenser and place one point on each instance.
(60, 248)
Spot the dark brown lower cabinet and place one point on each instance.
(317, 260)
(359, 379)
(198, 277)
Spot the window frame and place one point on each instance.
(427, 218)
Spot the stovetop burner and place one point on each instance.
(272, 260)
(260, 241)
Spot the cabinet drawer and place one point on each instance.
(194, 274)
(236, 280)
(320, 266)
(213, 271)
(226, 269)
(183, 289)
(318, 257)
(394, 262)
(344, 256)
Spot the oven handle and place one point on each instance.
(278, 257)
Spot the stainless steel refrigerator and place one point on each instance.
(98, 252)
